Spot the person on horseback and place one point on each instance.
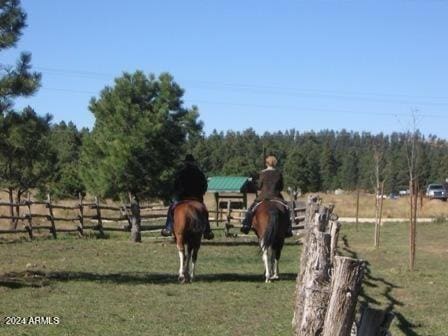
(270, 184)
(190, 184)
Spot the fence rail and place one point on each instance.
(90, 215)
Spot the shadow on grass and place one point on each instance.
(242, 242)
(407, 327)
(37, 278)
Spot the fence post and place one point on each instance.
(136, 235)
(81, 215)
(335, 226)
(99, 225)
(228, 224)
(312, 292)
(29, 227)
(345, 287)
(51, 216)
(357, 208)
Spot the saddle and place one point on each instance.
(270, 200)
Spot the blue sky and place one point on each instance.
(269, 65)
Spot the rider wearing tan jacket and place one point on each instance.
(270, 185)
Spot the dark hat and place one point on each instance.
(189, 158)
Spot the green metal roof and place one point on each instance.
(226, 183)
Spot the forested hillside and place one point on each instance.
(326, 160)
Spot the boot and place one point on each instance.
(289, 233)
(247, 222)
(208, 234)
(167, 231)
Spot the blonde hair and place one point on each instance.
(271, 161)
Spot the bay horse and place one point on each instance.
(270, 222)
(190, 218)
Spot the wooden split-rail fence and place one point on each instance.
(85, 215)
(100, 217)
(328, 284)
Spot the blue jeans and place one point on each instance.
(169, 217)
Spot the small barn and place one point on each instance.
(233, 189)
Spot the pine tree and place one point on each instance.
(138, 138)
(19, 80)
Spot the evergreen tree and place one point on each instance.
(66, 142)
(19, 80)
(25, 153)
(138, 138)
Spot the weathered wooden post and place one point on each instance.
(51, 216)
(313, 282)
(345, 287)
(227, 225)
(99, 224)
(327, 285)
(335, 226)
(13, 224)
(136, 235)
(81, 214)
(357, 208)
(29, 217)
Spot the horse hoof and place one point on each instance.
(268, 281)
(181, 279)
(274, 277)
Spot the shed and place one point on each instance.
(231, 188)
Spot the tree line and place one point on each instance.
(142, 129)
(327, 160)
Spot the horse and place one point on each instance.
(190, 217)
(270, 223)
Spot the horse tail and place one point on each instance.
(270, 235)
(197, 219)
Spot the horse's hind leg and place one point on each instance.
(187, 264)
(277, 254)
(194, 258)
(274, 265)
(267, 266)
(182, 259)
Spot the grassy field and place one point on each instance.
(115, 287)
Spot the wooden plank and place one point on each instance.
(41, 216)
(51, 217)
(111, 228)
(98, 213)
(105, 207)
(63, 219)
(29, 217)
(136, 235)
(64, 207)
(153, 216)
(13, 231)
(43, 227)
(13, 217)
(8, 204)
(81, 214)
(68, 230)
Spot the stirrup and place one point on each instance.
(166, 232)
(245, 229)
(209, 235)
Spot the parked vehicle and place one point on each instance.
(436, 191)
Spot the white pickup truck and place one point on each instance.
(436, 191)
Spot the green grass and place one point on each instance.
(115, 287)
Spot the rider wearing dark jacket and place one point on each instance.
(190, 184)
(270, 185)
